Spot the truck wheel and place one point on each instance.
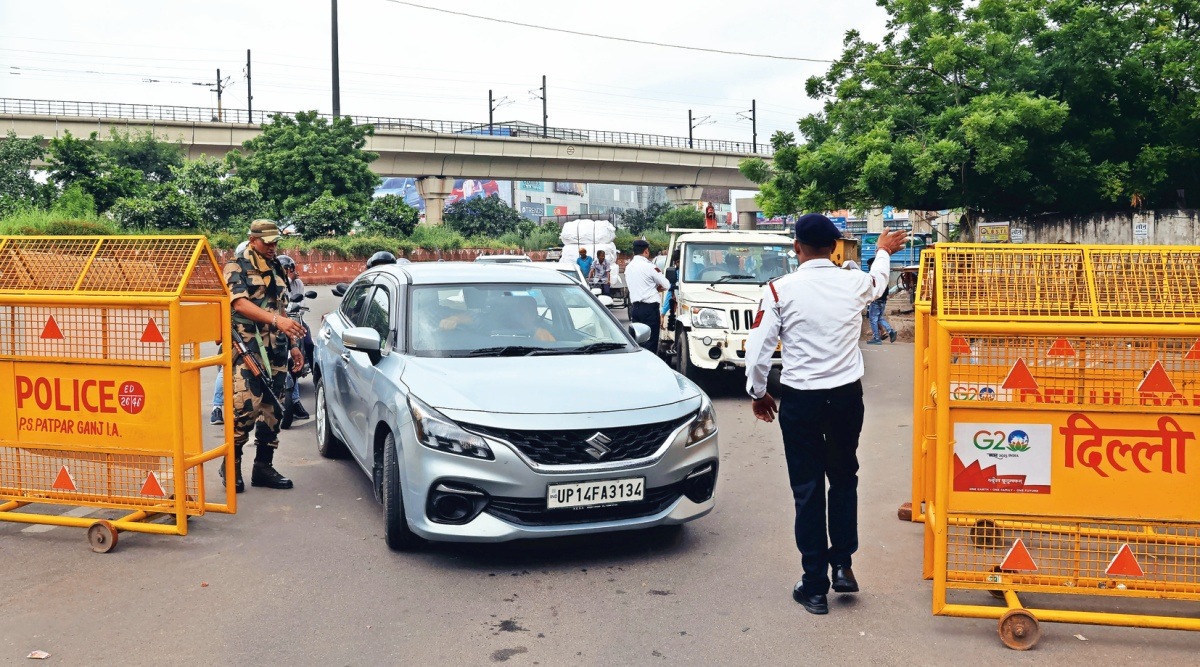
(683, 359)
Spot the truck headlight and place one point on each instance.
(436, 431)
(708, 318)
(703, 425)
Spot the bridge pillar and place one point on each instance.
(434, 190)
(685, 195)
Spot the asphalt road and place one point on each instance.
(304, 577)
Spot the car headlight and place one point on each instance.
(704, 424)
(708, 318)
(435, 431)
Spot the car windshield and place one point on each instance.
(495, 320)
(722, 262)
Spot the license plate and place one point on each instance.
(778, 346)
(601, 492)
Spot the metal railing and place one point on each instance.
(164, 112)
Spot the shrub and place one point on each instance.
(433, 237)
(80, 228)
(225, 240)
(333, 246)
(327, 216)
(75, 203)
(390, 216)
(365, 246)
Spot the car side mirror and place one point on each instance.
(640, 332)
(605, 300)
(672, 274)
(363, 339)
(339, 290)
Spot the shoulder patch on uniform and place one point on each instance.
(774, 293)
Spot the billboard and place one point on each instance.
(569, 188)
(532, 210)
(463, 189)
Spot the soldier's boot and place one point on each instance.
(238, 484)
(264, 474)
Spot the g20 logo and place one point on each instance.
(1013, 441)
(968, 393)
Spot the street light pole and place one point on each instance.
(249, 97)
(690, 126)
(337, 85)
(491, 108)
(754, 126)
(544, 116)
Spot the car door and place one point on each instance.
(334, 372)
(376, 313)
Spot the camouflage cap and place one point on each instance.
(266, 230)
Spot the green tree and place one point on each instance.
(163, 207)
(482, 216)
(298, 159)
(18, 188)
(1009, 107)
(75, 203)
(144, 152)
(390, 216)
(638, 220)
(684, 217)
(75, 161)
(325, 216)
(226, 201)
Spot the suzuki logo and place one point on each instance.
(598, 446)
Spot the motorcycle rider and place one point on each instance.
(296, 286)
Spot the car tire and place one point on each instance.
(625, 299)
(683, 359)
(395, 526)
(328, 444)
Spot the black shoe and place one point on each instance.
(217, 416)
(892, 336)
(814, 604)
(298, 412)
(843, 580)
(238, 484)
(266, 475)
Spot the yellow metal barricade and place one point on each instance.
(100, 380)
(1057, 429)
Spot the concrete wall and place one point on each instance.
(1166, 227)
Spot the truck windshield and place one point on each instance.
(710, 262)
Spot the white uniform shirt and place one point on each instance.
(643, 279)
(817, 313)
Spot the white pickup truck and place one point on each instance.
(717, 280)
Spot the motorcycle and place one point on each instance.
(296, 312)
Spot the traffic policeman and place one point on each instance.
(645, 282)
(258, 292)
(816, 313)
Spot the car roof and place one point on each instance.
(485, 258)
(440, 273)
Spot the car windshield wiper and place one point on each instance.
(590, 348)
(505, 351)
(732, 276)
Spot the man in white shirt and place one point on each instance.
(644, 282)
(816, 312)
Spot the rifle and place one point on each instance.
(256, 368)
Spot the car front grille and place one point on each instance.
(533, 512)
(740, 320)
(569, 447)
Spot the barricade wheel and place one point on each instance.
(1019, 630)
(905, 512)
(102, 535)
(985, 534)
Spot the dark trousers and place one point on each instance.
(820, 439)
(647, 313)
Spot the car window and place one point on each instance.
(352, 303)
(376, 315)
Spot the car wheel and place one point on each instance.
(683, 359)
(395, 526)
(625, 298)
(328, 444)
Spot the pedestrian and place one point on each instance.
(258, 292)
(584, 262)
(815, 312)
(878, 321)
(644, 282)
(601, 275)
(217, 416)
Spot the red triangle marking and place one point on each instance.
(1194, 353)
(151, 334)
(1125, 563)
(959, 345)
(1061, 348)
(1019, 377)
(152, 487)
(1157, 380)
(1018, 559)
(64, 482)
(51, 329)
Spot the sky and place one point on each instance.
(402, 61)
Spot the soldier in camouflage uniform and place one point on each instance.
(259, 291)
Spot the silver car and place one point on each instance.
(492, 402)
